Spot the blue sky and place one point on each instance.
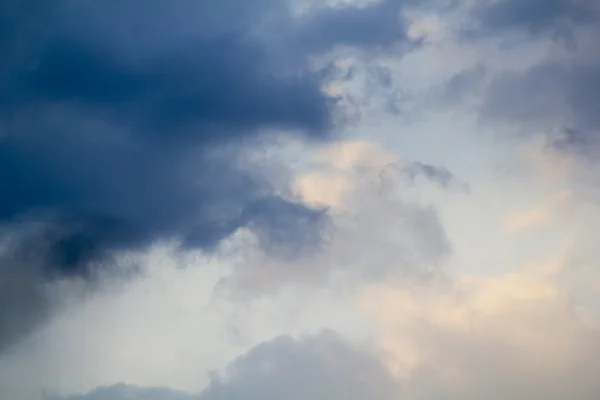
(384, 199)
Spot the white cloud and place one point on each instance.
(514, 336)
(524, 220)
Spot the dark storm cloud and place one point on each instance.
(215, 92)
(377, 26)
(96, 124)
(126, 122)
(320, 367)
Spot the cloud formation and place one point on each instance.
(127, 124)
(294, 199)
(363, 187)
(322, 367)
(559, 94)
(514, 336)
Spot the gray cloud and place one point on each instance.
(320, 367)
(379, 25)
(462, 85)
(516, 336)
(560, 94)
(556, 18)
(548, 96)
(23, 302)
(130, 392)
(439, 175)
(127, 123)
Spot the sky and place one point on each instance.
(291, 199)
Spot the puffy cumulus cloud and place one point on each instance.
(351, 169)
(322, 366)
(517, 336)
(127, 124)
(379, 228)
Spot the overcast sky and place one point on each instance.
(283, 200)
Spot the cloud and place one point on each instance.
(323, 366)
(514, 335)
(439, 175)
(320, 367)
(185, 305)
(127, 124)
(462, 84)
(550, 97)
(520, 221)
(170, 326)
(378, 25)
(548, 162)
(363, 188)
(532, 17)
(23, 302)
(194, 214)
(466, 337)
(28, 295)
(130, 392)
(557, 94)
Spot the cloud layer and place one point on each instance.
(381, 199)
